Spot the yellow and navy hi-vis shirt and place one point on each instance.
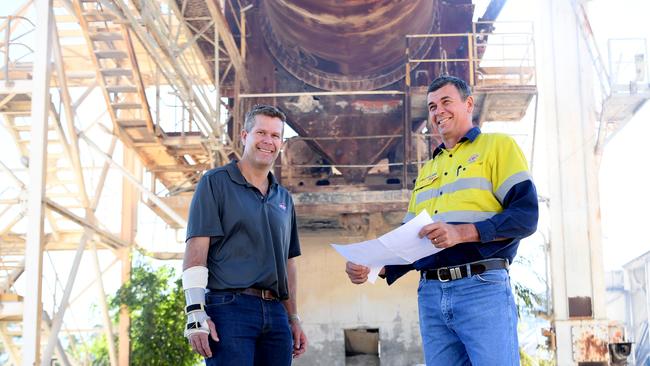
(483, 180)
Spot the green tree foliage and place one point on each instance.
(156, 304)
(94, 353)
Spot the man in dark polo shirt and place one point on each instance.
(239, 270)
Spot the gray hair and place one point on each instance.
(264, 110)
(460, 84)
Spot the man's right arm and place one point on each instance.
(358, 273)
(194, 283)
(196, 252)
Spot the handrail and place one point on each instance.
(517, 53)
(5, 46)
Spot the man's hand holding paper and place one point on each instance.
(400, 246)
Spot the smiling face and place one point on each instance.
(262, 143)
(450, 114)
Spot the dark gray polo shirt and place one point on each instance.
(251, 235)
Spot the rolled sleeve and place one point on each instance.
(486, 231)
(294, 245)
(392, 273)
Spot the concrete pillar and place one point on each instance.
(568, 111)
(37, 163)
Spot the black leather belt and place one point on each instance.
(264, 294)
(445, 274)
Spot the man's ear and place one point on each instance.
(242, 137)
(470, 104)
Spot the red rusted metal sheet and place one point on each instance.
(346, 45)
(590, 343)
(334, 45)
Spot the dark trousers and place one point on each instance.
(252, 331)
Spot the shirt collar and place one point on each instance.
(237, 177)
(470, 136)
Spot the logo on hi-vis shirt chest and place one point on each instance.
(283, 206)
(472, 158)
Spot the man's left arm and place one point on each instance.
(299, 337)
(517, 220)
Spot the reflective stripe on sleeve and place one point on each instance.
(511, 182)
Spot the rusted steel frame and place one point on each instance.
(406, 128)
(346, 137)
(198, 34)
(184, 25)
(470, 48)
(221, 26)
(323, 93)
(242, 39)
(234, 15)
(343, 165)
(203, 36)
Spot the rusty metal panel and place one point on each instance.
(346, 45)
(345, 129)
(580, 307)
(590, 343)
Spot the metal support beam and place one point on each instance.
(60, 351)
(164, 207)
(108, 327)
(221, 26)
(73, 143)
(14, 357)
(13, 276)
(57, 322)
(108, 238)
(32, 311)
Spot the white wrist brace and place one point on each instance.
(195, 280)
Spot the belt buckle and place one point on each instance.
(438, 274)
(267, 295)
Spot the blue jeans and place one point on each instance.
(251, 331)
(470, 321)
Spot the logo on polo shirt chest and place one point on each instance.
(283, 206)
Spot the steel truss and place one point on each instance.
(59, 58)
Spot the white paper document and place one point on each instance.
(400, 246)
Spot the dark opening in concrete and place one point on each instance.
(361, 346)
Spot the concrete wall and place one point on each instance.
(328, 303)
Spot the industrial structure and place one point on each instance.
(165, 84)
